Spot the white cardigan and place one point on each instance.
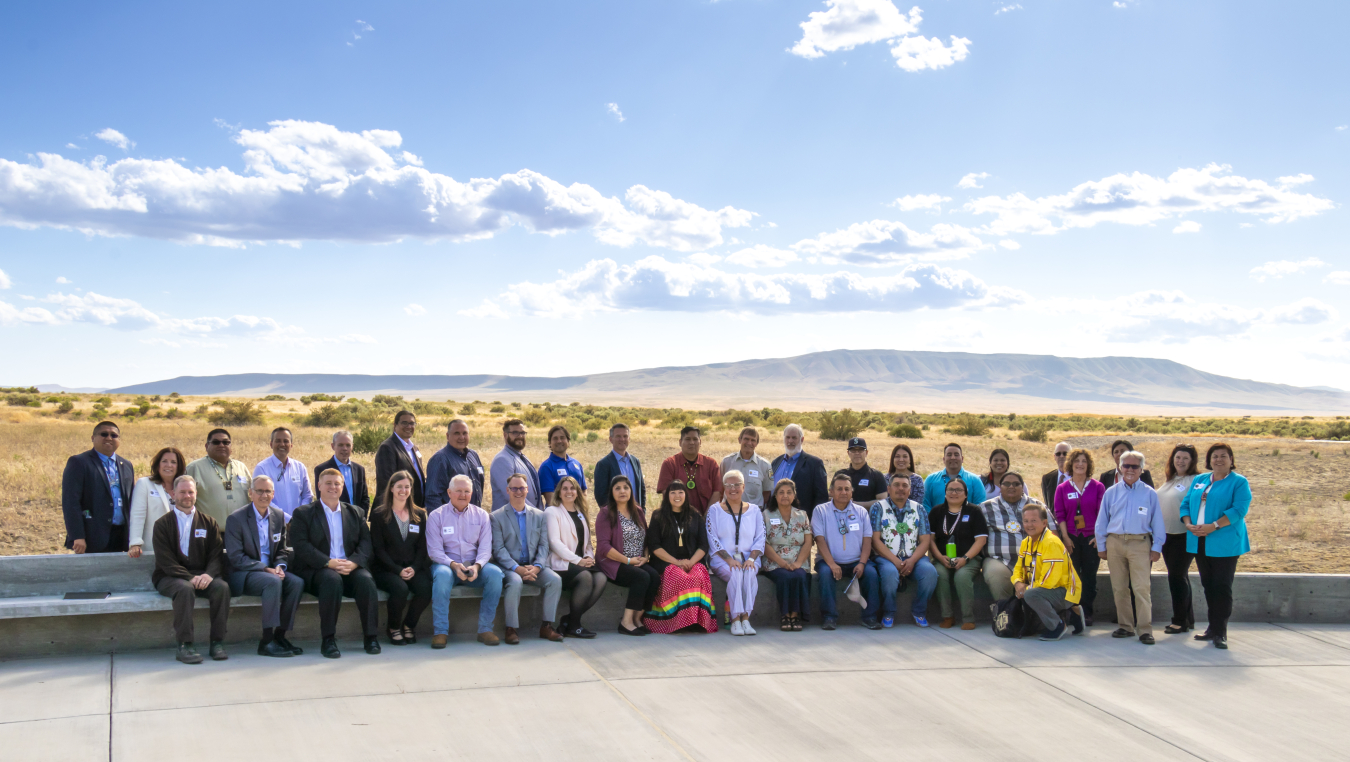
(149, 501)
(562, 538)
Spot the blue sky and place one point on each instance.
(553, 188)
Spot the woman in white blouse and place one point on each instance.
(736, 537)
(1182, 468)
(572, 554)
(152, 497)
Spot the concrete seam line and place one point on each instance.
(674, 744)
(1310, 636)
(1081, 700)
(112, 668)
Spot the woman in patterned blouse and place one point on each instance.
(787, 550)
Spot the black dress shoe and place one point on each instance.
(1147, 639)
(1221, 642)
(218, 651)
(1204, 635)
(372, 645)
(580, 632)
(1077, 621)
(273, 648)
(1121, 632)
(187, 654)
(1087, 620)
(284, 643)
(329, 649)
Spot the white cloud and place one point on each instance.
(613, 108)
(846, 24)
(1338, 278)
(130, 315)
(412, 159)
(704, 258)
(62, 279)
(72, 146)
(972, 180)
(5, 282)
(657, 284)
(1172, 317)
(1139, 199)
(761, 256)
(1009, 243)
(1008, 8)
(1343, 127)
(1298, 179)
(109, 135)
(312, 181)
(363, 26)
(1306, 311)
(1187, 226)
(415, 310)
(880, 242)
(921, 201)
(1283, 267)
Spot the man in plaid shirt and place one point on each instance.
(1003, 514)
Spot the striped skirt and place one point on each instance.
(685, 600)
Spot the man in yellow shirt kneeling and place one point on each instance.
(1045, 578)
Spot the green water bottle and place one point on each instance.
(951, 550)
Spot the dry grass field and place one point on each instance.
(1298, 520)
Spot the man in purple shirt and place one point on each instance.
(459, 542)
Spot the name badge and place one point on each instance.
(416, 529)
(1074, 495)
(1198, 486)
(775, 521)
(754, 474)
(562, 472)
(241, 480)
(854, 527)
(480, 470)
(964, 519)
(276, 537)
(1180, 487)
(447, 530)
(1143, 511)
(201, 533)
(862, 482)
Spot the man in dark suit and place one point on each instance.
(255, 546)
(520, 547)
(805, 470)
(619, 462)
(1051, 481)
(96, 495)
(331, 552)
(1118, 448)
(189, 563)
(398, 453)
(353, 474)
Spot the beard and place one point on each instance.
(792, 451)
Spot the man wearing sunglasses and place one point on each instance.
(1131, 521)
(1051, 481)
(96, 495)
(222, 481)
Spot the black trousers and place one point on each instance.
(1216, 577)
(643, 583)
(1086, 562)
(398, 590)
(330, 588)
(117, 540)
(1179, 579)
(185, 596)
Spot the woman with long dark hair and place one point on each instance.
(999, 463)
(621, 545)
(904, 462)
(402, 566)
(787, 554)
(152, 497)
(1215, 515)
(571, 553)
(1182, 468)
(959, 534)
(678, 544)
(1077, 502)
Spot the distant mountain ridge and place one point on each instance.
(883, 379)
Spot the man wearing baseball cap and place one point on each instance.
(868, 483)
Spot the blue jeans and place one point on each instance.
(794, 590)
(925, 578)
(828, 588)
(443, 580)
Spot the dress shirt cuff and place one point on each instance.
(280, 566)
(514, 565)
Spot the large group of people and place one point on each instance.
(217, 529)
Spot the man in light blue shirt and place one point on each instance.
(520, 547)
(288, 474)
(935, 486)
(1131, 521)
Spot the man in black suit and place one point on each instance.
(96, 495)
(398, 453)
(353, 474)
(331, 552)
(805, 470)
(1051, 481)
(619, 462)
(255, 547)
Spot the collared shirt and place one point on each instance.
(901, 528)
(1131, 509)
(465, 538)
(336, 547)
(184, 529)
(1004, 523)
(290, 481)
(786, 466)
(213, 498)
(506, 463)
(524, 558)
(346, 470)
(758, 474)
(264, 523)
(935, 488)
(413, 456)
(703, 471)
(553, 469)
(844, 531)
(869, 484)
(115, 482)
(445, 465)
(626, 467)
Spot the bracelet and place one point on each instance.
(627, 561)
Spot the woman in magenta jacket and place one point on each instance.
(621, 547)
(1077, 502)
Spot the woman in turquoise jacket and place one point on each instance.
(1215, 515)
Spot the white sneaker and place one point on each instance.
(746, 629)
(736, 628)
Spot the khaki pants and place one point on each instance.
(1127, 556)
(998, 578)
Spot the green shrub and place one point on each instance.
(66, 407)
(468, 409)
(328, 416)
(841, 425)
(237, 414)
(369, 438)
(173, 413)
(968, 425)
(535, 417)
(592, 436)
(321, 398)
(274, 398)
(1035, 434)
(497, 409)
(905, 431)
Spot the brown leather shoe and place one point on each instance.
(947, 623)
(488, 639)
(547, 632)
(439, 641)
(512, 639)
(968, 626)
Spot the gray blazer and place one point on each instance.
(506, 540)
(241, 540)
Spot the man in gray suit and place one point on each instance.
(520, 548)
(255, 546)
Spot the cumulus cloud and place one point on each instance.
(1008, 8)
(1306, 311)
(130, 315)
(1140, 199)
(312, 181)
(613, 108)
(414, 310)
(1009, 243)
(1187, 226)
(921, 201)
(761, 256)
(1338, 278)
(1283, 267)
(62, 279)
(846, 24)
(109, 135)
(5, 282)
(972, 180)
(1172, 317)
(657, 284)
(880, 242)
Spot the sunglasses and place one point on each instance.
(1061, 455)
(1130, 466)
(219, 442)
(109, 434)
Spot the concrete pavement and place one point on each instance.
(1281, 692)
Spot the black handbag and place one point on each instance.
(1013, 618)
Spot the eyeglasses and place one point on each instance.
(1130, 466)
(1061, 455)
(109, 434)
(219, 442)
(1011, 484)
(519, 489)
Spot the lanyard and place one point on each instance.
(736, 520)
(1035, 552)
(689, 474)
(224, 480)
(957, 522)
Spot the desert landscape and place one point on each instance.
(1298, 520)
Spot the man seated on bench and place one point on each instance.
(459, 543)
(1044, 576)
(331, 552)
(255, 545)
(189, 561)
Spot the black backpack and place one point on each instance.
(1013, 618)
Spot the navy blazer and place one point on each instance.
(813, 486)
(242, 553)
(355, 493)
(309, 538)
(607, 469)
(87, 500)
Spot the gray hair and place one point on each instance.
(340, 432)
(796, 428)
(1134, 454)
(461, 478)
(262, 477)
(185, 478)
(731, 473)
